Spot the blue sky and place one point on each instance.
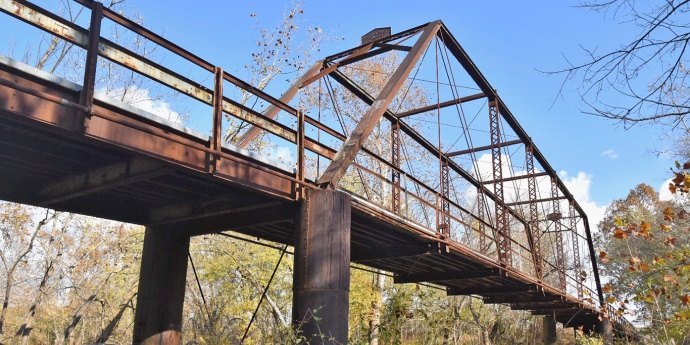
(511, 43)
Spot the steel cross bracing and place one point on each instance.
(420, 209)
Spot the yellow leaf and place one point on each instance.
(607, 288)
(665, 227)
(610, 300)
(618, 221)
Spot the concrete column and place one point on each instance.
(606, 328)
(321, 280)
(550, 337)
(158, 316)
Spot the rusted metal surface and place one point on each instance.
(534, 212)
(91, 65)
(441, 105)
(216, 137)
(395, 160)
(485, 148)
(503, 242)
(273, 110)
(557, 226)
(375, 35)
(352, 145)
(577, 264)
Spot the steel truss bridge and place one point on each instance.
(446, 187)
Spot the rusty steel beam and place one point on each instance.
(443, 218)
(391, 38)
(544, 305)
(91, 64)
(101, 179)
(394, 252)
(577, 265)
(526, 202)
(360, 134)
(42, 94)
(216, 135)
(481, 203)
(395, 173)
(520, 177)
(193, 210)
(534, 213)
(560, 260)
(522, 298)
(445, 276)
(240, 219)
(503, 239)
(484, 148)
(273, 110)
(495, 290)
(441, 106)
(327, 69)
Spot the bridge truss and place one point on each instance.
(447, 187)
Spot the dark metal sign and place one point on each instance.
(375, 35)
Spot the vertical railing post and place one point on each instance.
(300, 153)
(217, 131)
(91, 65)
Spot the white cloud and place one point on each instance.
(610, 153)
(666, 195)
(142, 99)
(281, 154)
(580, 186)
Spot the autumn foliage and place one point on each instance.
(646, 259)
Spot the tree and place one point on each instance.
(644, 254)
(645, 79)
(18, 237)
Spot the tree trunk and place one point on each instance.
(108, 330)
(375, 321)
(67, 333)
(277, 315)
(25, 329)
(10, 271)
